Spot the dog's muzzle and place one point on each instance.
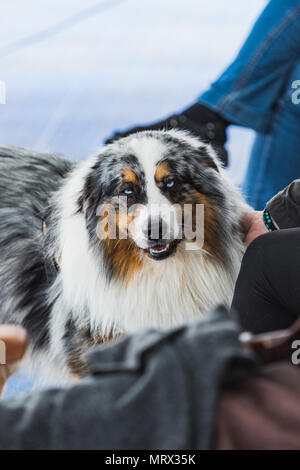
(161, 244)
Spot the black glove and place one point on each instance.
(199, 120)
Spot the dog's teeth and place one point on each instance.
(160, 250)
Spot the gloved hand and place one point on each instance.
(199, 120)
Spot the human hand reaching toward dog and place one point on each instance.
(253, 226)
(13, 345)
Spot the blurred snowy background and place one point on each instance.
(101, 66)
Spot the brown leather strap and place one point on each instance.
(273, 346)
(13, 343)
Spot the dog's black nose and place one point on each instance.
(157, 229)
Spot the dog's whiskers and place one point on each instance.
(130, 245)
(117, 243)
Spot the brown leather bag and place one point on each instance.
(263, 413)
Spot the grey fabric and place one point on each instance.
(154, 390)
(285, 206)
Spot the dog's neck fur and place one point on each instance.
(163, 294)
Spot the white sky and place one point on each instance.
(131, 64)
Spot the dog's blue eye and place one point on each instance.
(170, 184)
(128, 192)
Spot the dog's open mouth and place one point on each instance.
(161, 251)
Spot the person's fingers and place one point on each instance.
(252, 226)
(250, 237)
(13, 342)
(246, 223)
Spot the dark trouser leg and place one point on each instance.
(267, 293)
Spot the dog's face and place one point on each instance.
(140, 193)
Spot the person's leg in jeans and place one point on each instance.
(267, 292)
(275, 157)
(250, 91)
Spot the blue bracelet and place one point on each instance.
(268, 221)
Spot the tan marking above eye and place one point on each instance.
(129, 176)
(162, 171)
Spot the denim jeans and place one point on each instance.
(256, 91)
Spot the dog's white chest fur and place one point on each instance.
(177, 291)
(161, 295)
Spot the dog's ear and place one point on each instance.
(208, 157)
